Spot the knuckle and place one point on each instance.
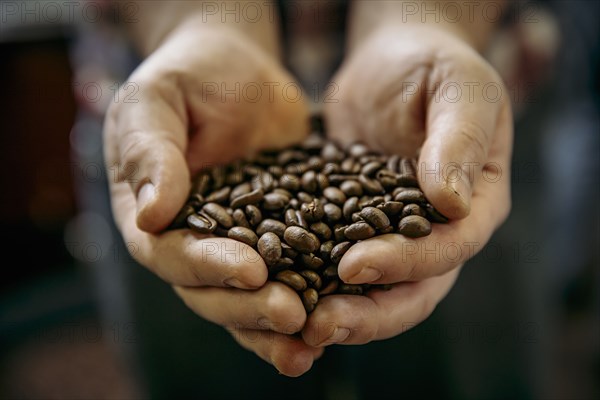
(282, 311)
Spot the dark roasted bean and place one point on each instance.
(254, 214)
(274, 201)
(410, 196)
(254, 197)
(371, 186)
(300, 239)
(292, 279)
(201, 223)
(289, 182)
(338, 251)
(271, 225)
(338, 179)
(345, 288)
(339, 232)
(331, 153)
(243, 235)
(359, 231)
(407, 167)
(284, 263)
(370, 168)
(375, 217)
(311, 261)
(391, 208)
(218, 177)
(330, 288)
(220, 196)
(312, 278)
(393, 163)
(350, 207)
(269, 248)
(309, 182)
(434, 215)
(219, 214)
(351, 188)
(330, 272)
(310, 297)
(358, 150)
(325, 250)
(334, 195)
(304, 197)
(333, 213)
(283, 192)
(239, 218)
(322, 230)
(287, 251)
(180, 220)
(331, 168)
(407, 180)
(322, 181)
(242, 188)
(414, 226)
(412, 209)
(201, 184)
(313, 211)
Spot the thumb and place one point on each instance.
(458, 139)
(145, 150)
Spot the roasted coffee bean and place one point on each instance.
(313, 142)
(220, 231)
(219, 214)
(330, 288)
(367, 201)
(322, 181)
(313, 211)
(282, 264)
(330, 272)
(391, 208)
(350, 166)
(350, 207)
(334, 195)
(283, 192)
(325, 250)
(201, 184)
(274, 201)
(269, 248)
(407, 167)
(393, 163)
(332, 212)
(220, 196)
(356, 217)
(351, 188)
(310, 297)
(322, 230)
(254, 214)
(338, 251)
(275, 170)
(288, 156)
(312, 278)
(300, 239)
(201, 223)
(339, 232)
(311, 261)
(338, 179)
(331, 153)
(309, 182)
(241, 189)
(239, 218)
(414, 226)
(371, 186)
(254, 197)
(358, 150)
(304, 197)
(370, 168)
(243, 235)
(359, 231)
(407, 180)
(331, 168)
(375, 217)
(412, 209)
(292, 279)
(196, 200)
(315, 163)
(264, 181)
(180, 220)
(345, 288)
(235, 177)
(410, 196)
(218, 177)
(271, 225)
(289, 182)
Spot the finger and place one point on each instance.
(146, 144)
(273, 307)
(288, 354)
(460, 132)
(379, 315)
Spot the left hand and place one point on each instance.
(398, 93)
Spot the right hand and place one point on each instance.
(176, 127)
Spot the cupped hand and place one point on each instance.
(206, 96)
(422, 92)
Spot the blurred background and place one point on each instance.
(523, 320)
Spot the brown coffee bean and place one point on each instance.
(254, 214)
(325, 250)
(358, 150)
(292, 279)
(309, 182)
(254, 197)
(393, 163)
(313, 142)
(414, 226)
(218, 177)
(332, 213)
(351, 188)
(331, 168)
(287, 251)
(313, 211)
(243, 235)
(359, 231)
(201, 183)
(269, 248)
(300, 239)
(407, 180)
(284, 263)
(371, 186)
(350, 207)
(412, 209)
(235, 177)
(368, 201)
(356, 217)
(315, 163)
(391, 208)
(180, 220)
(201, 223)
(220, 231)
(334, 195)
(311, 261)
(338, 179)
(349, 166)
(296, 168)
(330, 288)
(345, 288)
(339, 232)
(220, 196)
(289, 182)
(331, 272)
(331, 153)
(304, 197)
(264, 181)
(219, 214)
(322, 230)
(275, 170)
(410, 196)
(434, 215)
(241, 189)
(407, 167)
(375, 217)
(284, 193)
(339, 250)
(196, 200)
(310, 297)
(312, 278)
(370, 168)
(239, 218)
(271, 225)
(274, 201)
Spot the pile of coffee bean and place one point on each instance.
(303, 207)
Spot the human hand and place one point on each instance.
(178, 125)
(395, 94)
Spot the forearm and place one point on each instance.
(156, 19)
(474, 21)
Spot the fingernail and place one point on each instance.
(366, 275)
(145, 196)
(338, 336)
(236, 283)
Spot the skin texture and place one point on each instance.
(178, 126)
